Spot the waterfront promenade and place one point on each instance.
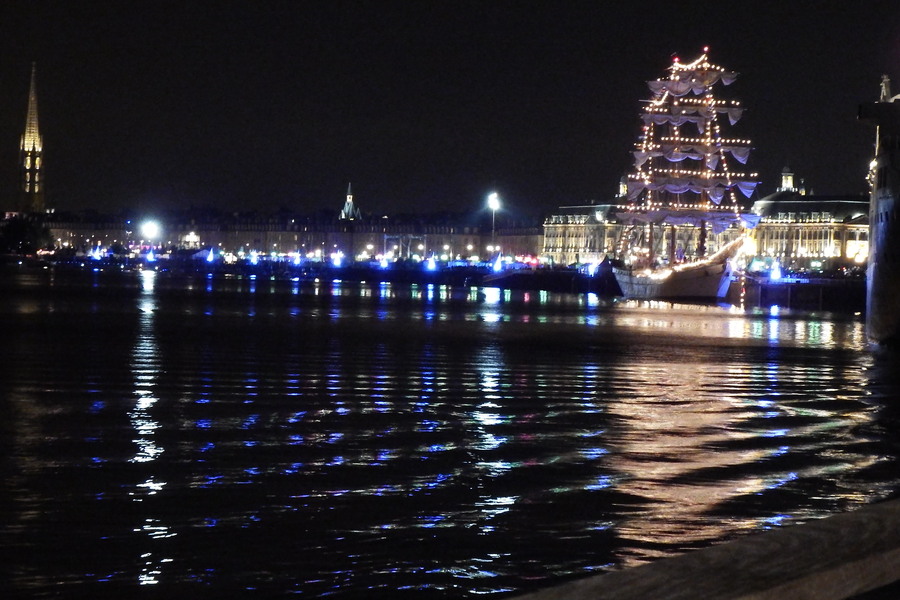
(816, 293)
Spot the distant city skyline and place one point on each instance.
(422, 107)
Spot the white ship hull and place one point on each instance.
(702, 282)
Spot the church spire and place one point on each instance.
(31, 150)
(349, 212)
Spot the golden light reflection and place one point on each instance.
(684, 439)
(767, 326)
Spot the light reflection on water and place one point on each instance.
(358, 438)
(145, 369)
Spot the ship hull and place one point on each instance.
(883, 275)
(701, 283)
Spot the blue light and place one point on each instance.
(150, 256)
(431, 264)
(384, 263)
(775, 273)
(775, 521)
(498, 264)
(254, 257)
(336, 260)
(297, 259)
(211, 256)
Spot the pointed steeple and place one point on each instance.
(31, 140)
(31, 150)
(349, 212)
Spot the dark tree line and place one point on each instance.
(21, 235)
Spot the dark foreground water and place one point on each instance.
(188, 438)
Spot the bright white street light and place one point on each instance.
(150, 229)
(494, 204)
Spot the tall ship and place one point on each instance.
(684, 224)
(883, 275)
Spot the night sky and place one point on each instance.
(422, 105)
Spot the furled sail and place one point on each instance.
(713, 187)
(719, 221)
(679, 152)
(687, 81)
(682, 149)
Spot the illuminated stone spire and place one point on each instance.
(349, 212)
(31, 150)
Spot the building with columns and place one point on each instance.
(799, 230)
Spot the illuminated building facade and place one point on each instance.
(588, 234)
(399, 238)
(581, 234)
(799, 230)
(349, 234)
(31, 186)
(809, 232)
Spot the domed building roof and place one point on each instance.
(802, 207)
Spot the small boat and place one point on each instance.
(683, 222)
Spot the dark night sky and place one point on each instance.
(422, 105)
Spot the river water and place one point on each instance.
(238, 437)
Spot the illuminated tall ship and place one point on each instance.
(683, 187)
(883, 276)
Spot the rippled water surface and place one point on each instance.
(227, 437)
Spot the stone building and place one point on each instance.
(801, 231)
(808, 232)
(347, 233)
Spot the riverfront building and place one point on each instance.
(800, 231)
(322, 235)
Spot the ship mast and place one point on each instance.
(683, 157)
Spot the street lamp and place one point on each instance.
(494, 204)
(150, 229)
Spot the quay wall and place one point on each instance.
(824, 294)
(846, 556)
